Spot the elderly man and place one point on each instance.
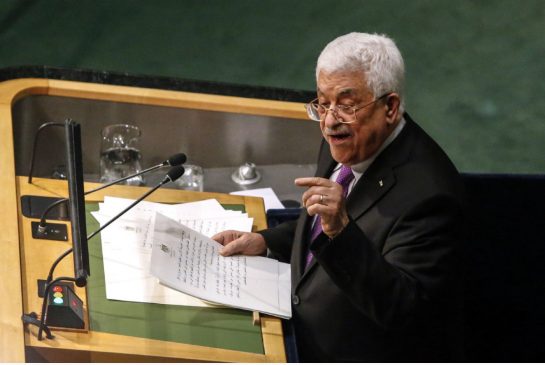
(373, 255)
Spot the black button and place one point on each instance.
(295, 300)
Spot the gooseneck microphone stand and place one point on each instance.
(173, 174)
(174, 160)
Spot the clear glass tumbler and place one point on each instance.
(120, 154)
(192, 179)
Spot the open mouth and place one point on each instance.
(339, 137)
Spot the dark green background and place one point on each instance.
(475, 69)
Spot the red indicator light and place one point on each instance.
(57, 288)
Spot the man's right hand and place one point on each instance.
(241, 243)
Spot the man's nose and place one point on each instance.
(331, 118)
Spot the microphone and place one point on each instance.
(35, 144)
(173, 174)
(174, 160)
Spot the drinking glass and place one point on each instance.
(120, 154)
(192, 179)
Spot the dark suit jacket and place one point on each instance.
(384, 289)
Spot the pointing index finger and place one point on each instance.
(311, 181)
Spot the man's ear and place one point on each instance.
(392, 108)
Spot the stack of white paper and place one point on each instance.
(127, 244)
(189, 261)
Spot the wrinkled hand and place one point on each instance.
(242, 243)
(325, 198)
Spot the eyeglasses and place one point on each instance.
(343, 113)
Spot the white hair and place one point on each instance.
(374, 54)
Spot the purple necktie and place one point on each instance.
(344, 178)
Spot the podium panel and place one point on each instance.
(218, 334)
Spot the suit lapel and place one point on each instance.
(369, 189)
(326, 169)
(372, 186)
(380, 176)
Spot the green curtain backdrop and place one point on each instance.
(475, 69)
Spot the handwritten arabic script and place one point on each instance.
(200, 265)
(188, 261)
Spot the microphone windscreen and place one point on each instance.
(176, 159)
(175, 172)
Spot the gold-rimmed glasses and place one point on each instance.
(343, 113)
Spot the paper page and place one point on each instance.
(208, 227)
(211, 226)
(200, 209)
(126, 257)
(269, 197)
(189, 261)
(127, 242)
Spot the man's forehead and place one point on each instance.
(340, 92)
(347, 91)
(340, 84)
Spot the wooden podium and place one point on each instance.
(24, 259)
